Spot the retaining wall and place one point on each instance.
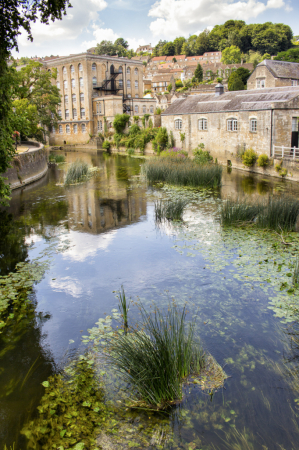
(28, 166)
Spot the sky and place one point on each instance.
(140, 22)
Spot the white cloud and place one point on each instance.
(108, 34)
(84, 246)
(69, 285)
(182, 17)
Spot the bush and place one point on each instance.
(106, 145)
(57, 158)
(120, 122)
(158, 111)
(76, 172)
(178, 84)
(249, 157)
(263, 161)
(174, 153)
(161, 139)
(202, 156)
(235, 82)
(131, 151)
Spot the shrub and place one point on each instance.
(136, 119)
(174, 153)
(182, 136)
(131, 151)
(169, 87)
(57, 158)
(161, 139)
(249, 157)
(120, 122)
(158, 111)
(202, 156)
(134, 129)
(235, 82)
(263, 161)
(178, 84)
(117, 139)
(169, 209)
(171, 141)
(106, 145)
(77, 171)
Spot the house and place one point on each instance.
(271, 73)
(230, 121)
(161, 81)
(94, 88)
(145, 48)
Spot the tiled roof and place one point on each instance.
(255, 99)
(162, 77)
(281, 69)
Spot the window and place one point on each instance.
(60, 129)
(178, 124)
(154, 84)
(97, 108)
(294, 82)
(58, 84)
(82, 113)
(100, 125)
(94, 67)
(295, 124)
(144, 109)
(232, 125)
(68, 129)
(120, 83)
(136, 109)
(120, 69)
(136, 71)
(253, 125)
(74, 113)
(136, 96)
(129, 96)
(66, 99)
(72, 69)
(75, 128)
(80, 67)
(81, 97)
(136, 84)
(53, 130)
(203, 124)
(100, 108)
(64, 71)
(65, 84)
(73, 83)
(151, 109)
(260, 84)
(128, 70)
(67, 114)
(81, 83)
(74, 98)
(94, 81)
(83, 128)
(59, 112)
(128, 83)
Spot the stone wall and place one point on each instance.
(28, 166)
(263, 73)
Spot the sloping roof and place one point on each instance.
(281, 69)
(162, 77)
(255, 99)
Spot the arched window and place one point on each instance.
(73, 83)
(178, 124)
(136, 71)
(74, 113)
(253, 125)
(136, 84)
(66, 99)
(94, 81)
(120, 83)
(94, 66)
(129, 96)
(58, 84)
(136, 96)
(151, 109)
(65, 84)
(72, 69)
(120, 69)
(202, 124)
(67, 114)
(81, 97)
(59, 113)
(82, 113)
(80, 67)
(128, 83)
(75, 129)
(81, 82)
(74, 98)
(60, 129)
(128, 70)
(64, 71)
(144, 109)
(136, 109)
(83, 126)
(232, 124)
(68, 129)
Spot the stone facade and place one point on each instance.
(270, 74)
(82, 80)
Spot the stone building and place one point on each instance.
(145, 48)
(229, 122)
(93, 90)
(271, 73)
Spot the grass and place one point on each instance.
(296, 273)
(276, 213)
(182, 172)
(77, 171)
(157, 356)
(123, 307)
(57, 158)
(170, 209)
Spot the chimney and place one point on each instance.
(219, 89)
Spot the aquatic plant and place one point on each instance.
(77, 171)
(183, 172)
(174, 152)
(296, 273)
(131, 151)
(169, 209)
(238, 212)
(123, 307)
(57, 158)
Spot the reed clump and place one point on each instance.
(169, 209)
(156, 356)
(276, 213)
(182, 172)
(77, 171)
(57, 158)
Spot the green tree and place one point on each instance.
(168, 49)
(291, 55)
(235, 82)
(25, 118)
(231, 55)
(178, 84)
(198, 74)
(178, 44)
(186, 50)
(202, 44)
(105, 48)
(271, 38)
(243, 73)
(121, 41)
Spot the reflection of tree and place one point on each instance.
(291, 357)
(12, 245)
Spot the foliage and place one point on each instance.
(106, 145)
(169, 87)
(77, 172)
(174, 152)
(231, 55)
(158, 111)
(202, 156)
(171, 141)
(150, 123)
(131, 151)
(263, 160)
(243, 73)
(161, 139)
(291, 55)
(119, 48)
(25, 118)
(56, 158)
(123, 306)
(178, 84)
(182, 136)
(170, 209)
(70, 410)
(235, 82)
(198, 73)
(182, 172)
(296, 274)
(147, 91)
(144, 119)
(249, 157)
(120, 122)
(238, 212)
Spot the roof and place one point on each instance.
(253, 100)
(281, 69)
(162, 77)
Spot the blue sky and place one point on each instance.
(147, 21)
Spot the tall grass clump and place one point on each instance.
(77, 171)
(296, 273)
(182, 172)
(57, 158)
(238, 212)
(123, 307)
(169, 209)
(157, 356)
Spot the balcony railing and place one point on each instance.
(281, 152)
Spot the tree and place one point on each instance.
(169, 87)
(202, 44)
(105, 48)
(168, 49)
(198, 74)
(231, 55)
(186, 49)
(120, 41)
(243, 73)
(178, 44)
(178, 84)
(235, 83)
(25, 118)
(291, 55)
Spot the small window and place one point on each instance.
(80, 67)
(253, 125)
(60, 129)
(82, 113)
(144, 109)
(97, 108)
(73, 83)
(136, 96)
(260, 84)
(151, 109)
(66, 99)
(202, 124)
(100, 108)
(136, 71)
(74, 98)
(100, 125)
(120, 69)
(53, 130)
(81, 82)
(294, 82)
(178, 124)
(75, 128)
(295, 124)
(67, 114)
(128, 83)
(65, 84)
(232, 125)
(64, 71)
(94, 67)
(74, 113)
(58, 84)
(136, 109)
(136, 84)
(83, 128)
(59, 113)
(129, 96)
(72, 69)
(81, 97)
(94, 81)
(120, 83)
(68, 129)
(128, 70)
